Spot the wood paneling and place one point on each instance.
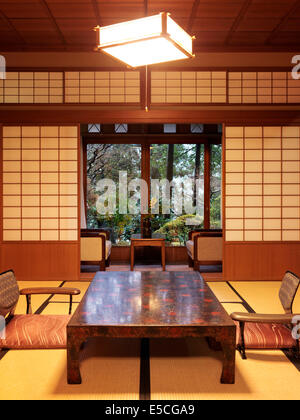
(68, 25)
(260, 261)
(158, 116)
(174, 255)
(41, 261)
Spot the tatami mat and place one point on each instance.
(190, 370)
(110, 368)
(222, 292)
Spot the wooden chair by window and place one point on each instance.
(95, 247)
(31, 331)
(269, 331)
(204, 247)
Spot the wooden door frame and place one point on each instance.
(146, 142)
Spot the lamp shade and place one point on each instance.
(149, 40)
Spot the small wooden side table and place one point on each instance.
(160, 242)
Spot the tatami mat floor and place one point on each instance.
(187, 370)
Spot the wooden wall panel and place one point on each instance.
(41, 261)
(260, 261)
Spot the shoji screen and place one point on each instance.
(40, 202)
(40, 190)
(102, 87)
(188, 87)
(262, 184)
(30, 87)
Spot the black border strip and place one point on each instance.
(145, 385)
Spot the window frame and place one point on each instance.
(146, 140)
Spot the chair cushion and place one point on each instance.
(190, 248)
(265, 336)
(36, 332)
(108, 249)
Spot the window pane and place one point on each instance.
(94, 128)
(108, 206)
(178, 207)
(215, 186)
(169, 128)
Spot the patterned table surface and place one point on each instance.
(150, 299)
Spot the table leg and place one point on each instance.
(131, 257)
(73, 349)
(163, 256)
(228, 346)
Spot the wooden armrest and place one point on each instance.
(71, 291)
(50, 291)
(94, 232)
(262, 318)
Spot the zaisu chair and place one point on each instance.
(95, 247)
(31, 331)
(204, 248)
(269, 331)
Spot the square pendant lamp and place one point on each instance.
(149, 40)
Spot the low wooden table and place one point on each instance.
(150, 305)
(137, 240)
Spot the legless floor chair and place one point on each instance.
(31, 331)
(270, 331)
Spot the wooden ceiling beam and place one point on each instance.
(193, 15)
(88, 47)
(45, 6)
(97, 12)
(12, 27)
(282, 22)
(238, 19)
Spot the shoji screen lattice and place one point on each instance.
(40, 183)
(32, 87)
(262, 88)
(102, 87)
(262, 183)
(188, 87)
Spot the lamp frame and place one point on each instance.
(164, 34)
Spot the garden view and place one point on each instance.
(179, 163)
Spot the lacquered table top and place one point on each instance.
(148, 299)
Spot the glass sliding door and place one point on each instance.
(215, 186)
(113, 200)
(177, 190)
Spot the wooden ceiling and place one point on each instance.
(219, 25)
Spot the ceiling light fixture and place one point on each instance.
(149, 40)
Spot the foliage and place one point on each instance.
(106, 160)
(177, 230)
